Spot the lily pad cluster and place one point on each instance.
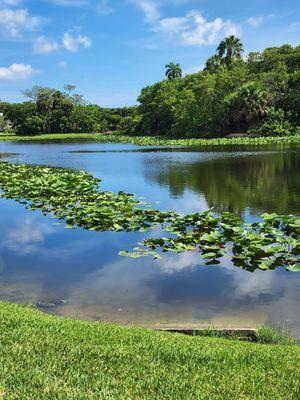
(119, 137)
(75, 197)
(268, 244)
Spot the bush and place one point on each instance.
(275, 124)
(33, 125)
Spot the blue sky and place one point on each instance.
(110, 49)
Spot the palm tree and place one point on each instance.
(213, 63)
(44, 101)
(173, 70)
(229, 49)
(248, 105)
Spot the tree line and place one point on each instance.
(259, 94)
(48, 110)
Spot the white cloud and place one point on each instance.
(42, 45)
(194, 30)
(149, 8)
(73, 44)
(15, 21)
(16, 71)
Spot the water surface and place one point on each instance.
(43, 263)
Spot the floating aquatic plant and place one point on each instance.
(75, 197)
(160, 140)
(268, 244)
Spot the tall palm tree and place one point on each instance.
(173, 70)
(229, 49)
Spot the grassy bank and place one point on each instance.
(157, 140)
(44, 357)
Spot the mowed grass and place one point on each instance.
(118, 137)
(45, 357)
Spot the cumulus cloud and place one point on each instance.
(16, 21)
(16, 71)
(73, 43)
(192, 29)
(195, 30)
(42, 45)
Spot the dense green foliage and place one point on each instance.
(74, 197)
(229, 95)
(52, 111)
(259, 95)
(46, 357)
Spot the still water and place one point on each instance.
(77, 273)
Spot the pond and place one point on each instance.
(78, 273)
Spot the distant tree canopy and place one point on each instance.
(258, 95)
(50, 111)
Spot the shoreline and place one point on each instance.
(156, 140)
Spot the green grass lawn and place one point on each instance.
(118, 137)
(44, 357)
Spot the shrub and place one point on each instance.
(275, 124)
(33, 125)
